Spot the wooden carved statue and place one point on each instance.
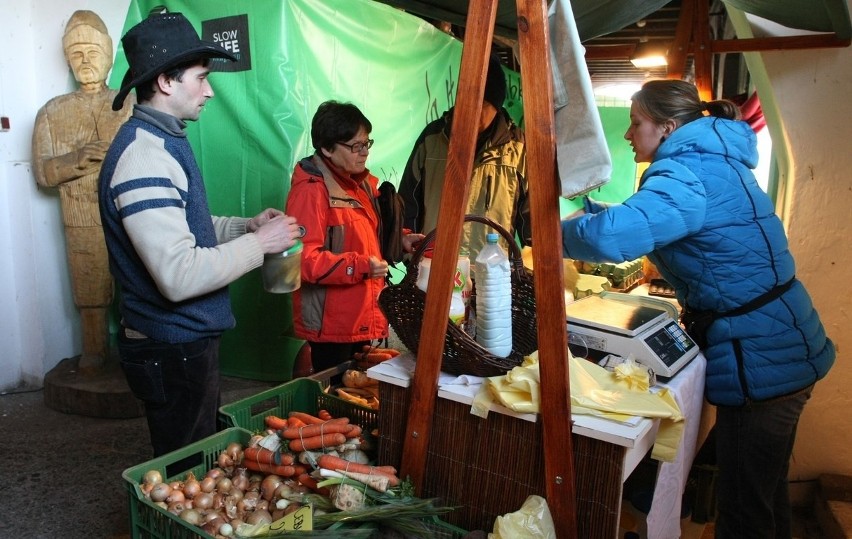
(71, 136)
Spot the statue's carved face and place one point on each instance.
(89, 62)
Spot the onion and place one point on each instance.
(191, 516)
(176, 508)
(225, 461)
(234, 450)
(191, 488)
(292, 508)
(269, 486)
(226, 530)
(176, 495)
(203, 501)
(249, 502)
(224, 485)
(259, 516)
(160, 492)
(240, 479)
(215, 473)
(208, 484)
(152, 477)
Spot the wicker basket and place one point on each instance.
(404, 303)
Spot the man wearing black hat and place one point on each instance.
(498, 185)
(171, 258)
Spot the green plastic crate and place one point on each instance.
(149, 521)
(303, 395)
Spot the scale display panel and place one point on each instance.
(670, 343)
(635, 329)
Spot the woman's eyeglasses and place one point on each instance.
(358, 146)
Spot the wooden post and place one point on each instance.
(703, 55)
(462, 147)
(544, 188)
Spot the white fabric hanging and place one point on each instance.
(582, 155)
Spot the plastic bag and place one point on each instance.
(532, 520)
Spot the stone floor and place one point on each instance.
(63, 475)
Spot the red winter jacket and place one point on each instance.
(337, 302)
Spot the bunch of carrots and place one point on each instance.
(302, 431)
(370, 356)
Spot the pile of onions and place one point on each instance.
(226, 496)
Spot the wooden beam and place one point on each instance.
(679, 49)
(544, 189)
(462, 146)
(811, 41)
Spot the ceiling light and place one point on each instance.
(649, 54)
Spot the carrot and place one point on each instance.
(392, 351)
(296, 422)
(282, 470)
(306, 417)
(330, 462)
(300, 469)
(353, 432)
(276, 423)
(262, 455)
(316, 442)
(374, 357)
(311, 483)
(310, 431)
(325, 415)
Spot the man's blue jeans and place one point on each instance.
(179, 384)
(753, 447)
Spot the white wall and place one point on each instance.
(812, 90)
(39, 324)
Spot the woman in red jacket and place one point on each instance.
(334, 196)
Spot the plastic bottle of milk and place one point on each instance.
(462, 285)
(494, 298)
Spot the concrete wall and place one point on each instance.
(39, 325)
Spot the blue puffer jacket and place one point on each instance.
(712, 232)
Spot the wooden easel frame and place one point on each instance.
(534, 43)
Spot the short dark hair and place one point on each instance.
(336, 122)
(145, 91)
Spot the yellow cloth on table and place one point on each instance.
(594, 391)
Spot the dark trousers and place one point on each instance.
(325, 355)
(179, 384)
(753, 447)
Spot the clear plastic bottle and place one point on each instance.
(494, 298)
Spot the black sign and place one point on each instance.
(232, 34)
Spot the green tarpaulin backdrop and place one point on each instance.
(293, 55)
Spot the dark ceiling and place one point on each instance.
(691, 30)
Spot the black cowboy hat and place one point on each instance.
(159, 43)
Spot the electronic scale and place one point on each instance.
(625, 325)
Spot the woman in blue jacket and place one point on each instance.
(701, 218)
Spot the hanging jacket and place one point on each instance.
(498, 185)
(337, 301)
(702, 219)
